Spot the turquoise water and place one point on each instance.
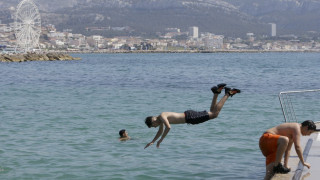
(60, 120)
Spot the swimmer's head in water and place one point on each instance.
(122, 132)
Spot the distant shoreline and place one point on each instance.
(187, 51)
(65, 55)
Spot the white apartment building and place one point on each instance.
(273, 29)
(194, 32)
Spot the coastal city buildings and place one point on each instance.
(173, 39)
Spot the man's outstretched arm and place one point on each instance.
(296, 141)
(164, 119)
(160, 131)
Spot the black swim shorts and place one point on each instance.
(196, 117)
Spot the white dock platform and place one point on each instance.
(313, 158)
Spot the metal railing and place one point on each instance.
(286, 104)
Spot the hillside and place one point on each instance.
(146, 17)
(156, 16)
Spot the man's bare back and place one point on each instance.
(173, 117)
(288, 129)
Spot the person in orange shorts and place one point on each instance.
(278, 140)
(268, 145)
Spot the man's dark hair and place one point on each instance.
(310, 124)
(148, 121)
(121, 132)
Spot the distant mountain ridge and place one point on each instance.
(146, 17)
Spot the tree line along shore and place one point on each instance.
(36, 57)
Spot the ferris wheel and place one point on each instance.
(27, 25)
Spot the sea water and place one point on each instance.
(60, 119)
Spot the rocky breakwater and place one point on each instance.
(36, 57)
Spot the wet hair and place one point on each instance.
(148, 121)
(121, 132)
(310, 124)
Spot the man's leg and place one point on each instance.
(216, 108)
(282, 146)
(214, 102)
(269, 171)
(216, 91)
(273, 147)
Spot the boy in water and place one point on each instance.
(278, 140)
(123, 135)
(190, 116)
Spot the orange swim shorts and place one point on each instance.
(268, 145)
